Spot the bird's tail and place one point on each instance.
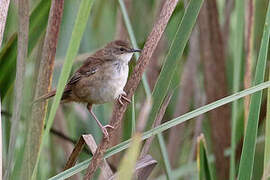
(45, 96)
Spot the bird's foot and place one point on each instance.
(123, 97)
(104, 130)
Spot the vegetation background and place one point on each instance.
(209, 50)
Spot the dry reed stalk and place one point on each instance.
(19, 81)
(249, 52)
(42, 87)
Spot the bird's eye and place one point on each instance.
(122, 49)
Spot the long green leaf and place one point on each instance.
(72, 51)
(203, 165)
(176, 50)
(165, 126)
(248, 152)
(237, 59)
(38, 22)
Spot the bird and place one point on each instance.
(101, 79)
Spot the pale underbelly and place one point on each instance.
(107, 92)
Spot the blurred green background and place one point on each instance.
(189, 86)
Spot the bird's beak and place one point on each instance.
(135, 50)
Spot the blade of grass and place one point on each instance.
(77, 33)
(248, 152)
(165, 156)
(237, 59)
(38, 23)
(165, 126)
(202, 160)
(127, 165)
(23, 31)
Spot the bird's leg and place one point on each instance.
(123, 96)
(103, 128)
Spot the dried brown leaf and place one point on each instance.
(213, 59)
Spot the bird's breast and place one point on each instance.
(106, 86)
(118, 78)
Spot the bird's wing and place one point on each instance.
(90, 67)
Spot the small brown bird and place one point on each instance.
(100, 79)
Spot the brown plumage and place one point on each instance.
(100, 79)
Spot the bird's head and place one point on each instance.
(121, 50)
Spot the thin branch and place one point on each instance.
(75, 153)
(134, 81)
(19, 81)
(43, 86)
(90, 142)
(3, 17)
(106, 171)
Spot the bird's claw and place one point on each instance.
(104, 130)
(123, 97)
